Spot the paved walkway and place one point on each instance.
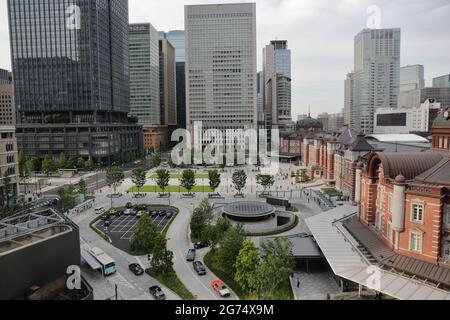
(314, 286)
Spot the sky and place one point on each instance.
(320, 34)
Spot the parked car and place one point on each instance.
(201, 245)
(107, 223)
(99, 210)
(169, 214)
(128, 212)
(154, 214)
(157, 293)
(136, 269)
(191, 255)
(133, 213)
(199, 268)
(119, 213)
(129, 205)
(105, 217)
(221, 289)
(162, 213)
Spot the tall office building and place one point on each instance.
(144, 74)
(5, 76)
(177, 39)
(376, 75)
(348, 99)
(221, 66)
(442, 82)
(260, 99)
(277, 84)
(71, 78)
(168, 85)
(412, 78)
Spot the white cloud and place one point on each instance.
(320, 34)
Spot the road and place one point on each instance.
(179, 243)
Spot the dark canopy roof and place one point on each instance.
(440, 121)
(439, 174)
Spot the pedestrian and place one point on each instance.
(298, 283)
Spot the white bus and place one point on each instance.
(108, 265)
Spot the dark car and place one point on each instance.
(157, 293)
(105, 217)
(119, 213)
(154, 214)
(162, 213)
(191, 255)
(199, 268)
(107, 223)
(129, 205)
(136, 269)
(201, 245)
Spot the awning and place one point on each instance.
(340, 250)
(90, 260)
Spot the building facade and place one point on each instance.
(7, 109)
(407, 202)
(277, 84)
(442, 81)
(9, 164)
(168, 83)
(221, 67)
(376, 75)
(5, 76)
(348, 99)
(406, 120)
(72, 96)
(144, 74)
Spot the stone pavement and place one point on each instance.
(314, 286)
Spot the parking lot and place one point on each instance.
(121, 229)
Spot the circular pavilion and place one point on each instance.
(249, 211)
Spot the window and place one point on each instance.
(390, 199)
(416, 242)
(417, 212)
(390, 231)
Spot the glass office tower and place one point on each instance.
(71, 78)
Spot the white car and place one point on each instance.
(128, 212)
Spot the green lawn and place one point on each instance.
(172, 282)
(332, 192)
(179, 176)
(171, 189)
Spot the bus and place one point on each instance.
(108, 265)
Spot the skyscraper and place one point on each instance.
(168, 85)
(348, 99)
(5, 76)
(71, 77)
(376, 75)
(277, 84)
(144, 74)
(221, 66)
(412, 77)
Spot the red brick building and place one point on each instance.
(405, 199)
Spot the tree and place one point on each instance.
(62, 161)
(71, 163)
(139, 177)
(67, 197)
(266, 181)
(32, 164)
(24, 171)
(162, 259)
(82, 187)
(276, 267)
(304, 175)
(239, 181)
(201, 218)
(187, 180)
(247, 264)
(162, 179)
(155, 160)
(229, 247)
(143, 240)
(213, 234)
(214, 179)
(88, 165)
(80, 163)
(114, 177)
(48, 166)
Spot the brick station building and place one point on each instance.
(404, 198)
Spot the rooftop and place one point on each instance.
(249, 209)
(397, 138)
